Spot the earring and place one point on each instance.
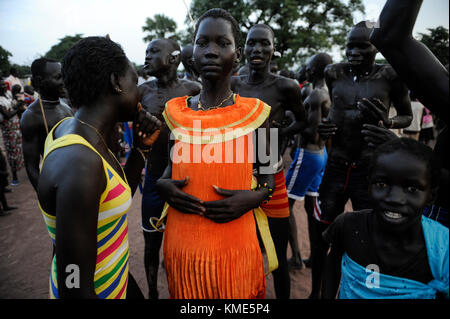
(118, 90)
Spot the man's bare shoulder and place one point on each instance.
(32, 117)
(149, 85)
(318, 96)
(387, 71)
(237, 80)
(332, 71)
(193, 87)
(286, 85)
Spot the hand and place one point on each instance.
(375, 135)
(326, 129)
(374, 112)
(170, 191)
(146, 128)
(236, 203)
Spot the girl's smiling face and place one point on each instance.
(215, 48)
(399, 187)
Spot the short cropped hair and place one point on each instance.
(38, 66)
(87, 68)
(264, 26)
(221, 13)
(414, 148)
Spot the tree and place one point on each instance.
(161, 26)
(437, 42)
(5, 65)
(302, 27)
(22, 70)
(58, 51)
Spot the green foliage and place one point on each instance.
(302, 27)
(22, 70)
(437, 42)
(161, 26)
(58, 51)
(5, 65)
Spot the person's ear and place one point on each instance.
(175, 57)
(115, 83)
(238, 53)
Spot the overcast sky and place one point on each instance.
(28, 28)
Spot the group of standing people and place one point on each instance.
(215, 173)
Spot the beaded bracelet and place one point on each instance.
(271, 190)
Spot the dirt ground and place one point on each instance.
(25, 249)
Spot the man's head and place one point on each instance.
(316, 65)
(46, 78)
(259, 46)
(161, 56)
(360, 51)
(188, 60)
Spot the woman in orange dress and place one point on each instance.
(211, 249)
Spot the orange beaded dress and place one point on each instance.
(204, 259)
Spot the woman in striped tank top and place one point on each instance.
(84, 194)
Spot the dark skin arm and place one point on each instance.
(326, 129)
(292, 93)
(77, 213)
(376, 111)
(31, 146)
(171, 191)
(375, 135)
(145, 131)
(332, 274)
(411, 59)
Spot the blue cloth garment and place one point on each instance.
(356, 281)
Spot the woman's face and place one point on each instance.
(399, 188)
(215, 49)
(129, 97)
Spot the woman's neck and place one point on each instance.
(100, 116)
(214, 92)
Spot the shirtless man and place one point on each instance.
(281, 94)
(38, 120)
(186, 58)
(352, 84)
(308, 165)
(161, 61)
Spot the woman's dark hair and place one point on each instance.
(87, 69)
(414, 148)
(221, 13)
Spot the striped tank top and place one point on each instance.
(111, 270)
